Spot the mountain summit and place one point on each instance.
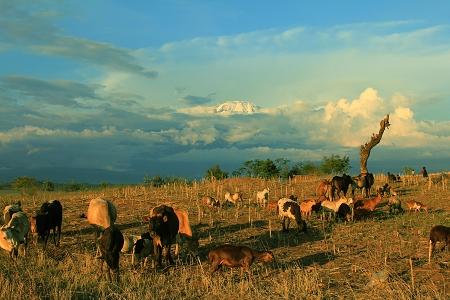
(240, 107)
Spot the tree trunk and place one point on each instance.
(364, 152)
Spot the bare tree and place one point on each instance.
(365, 149)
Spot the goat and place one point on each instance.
(369, 204)
(333, 206)
(438, 233)
(210, 202)
(289, 210)
(236, 256)
(234, 198)
(262, 197)
(416, 206)
(306, 207)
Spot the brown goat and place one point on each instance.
(236, 256)
(416, 206)
(438, 233)
(369, 204)
(306, 207)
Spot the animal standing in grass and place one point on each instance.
(416, 206)
(49, 217)
(289, 210)
(234, 198)
(262, 197)
(438, 233)
(236, 256)
(101, 214)
(15, 232)
(164, 222)
(110, 244)
(340, 184)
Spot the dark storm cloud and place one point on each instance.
(24, 26)
(197, 100)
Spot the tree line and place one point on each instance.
(283, 168)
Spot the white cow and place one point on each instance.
(13, 234)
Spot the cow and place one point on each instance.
(101, 214)
(363, 182)
(164, 222)
(14, 233)
(438, 233)
(9, 210)
(288, 210)
(49, 217)
(262, 197)
(184, 236)
(236, 256)
(339, 184)
(110, 244)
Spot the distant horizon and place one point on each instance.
(94, 176)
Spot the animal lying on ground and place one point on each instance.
(416, 206)
(49, 217)
(289, 210)
(14, 233)
(262, 197)
(110, 244)
(236, 256)
(438, 233)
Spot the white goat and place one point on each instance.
(262, 197)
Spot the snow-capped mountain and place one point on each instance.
(240, 107)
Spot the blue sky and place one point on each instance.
(113, 90)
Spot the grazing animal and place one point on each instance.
(333, 206)
(15, 233)
(236, 256)
(141, 247)
(110, 244)
(210, 202)
(363, 182)
(262, 197)
(344, 212)
(324, 189)
(9, 210)
(293, 198)
(101, 214)
(289, 210)
(184, 235)
(384, 190)
(438, 233)
(416, 206)
(395, 205)
(235, 198)
(306, 207)
(49, 217)
(339, 184)
(369, 204)
(164, 223)
(391, 177)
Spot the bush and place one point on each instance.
(215, 172)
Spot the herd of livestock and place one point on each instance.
(168, 225)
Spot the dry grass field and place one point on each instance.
(382, 257)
